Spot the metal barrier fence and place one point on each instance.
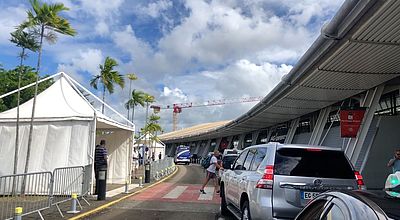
(68, 181)
(161, 168)
(36, 192)
(30, 190)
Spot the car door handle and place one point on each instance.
(291, 184)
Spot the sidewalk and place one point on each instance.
(114, 193)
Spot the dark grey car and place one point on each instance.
(337, 205)
(275, 181)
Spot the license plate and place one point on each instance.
(309, 195)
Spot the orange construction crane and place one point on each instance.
(177, 107)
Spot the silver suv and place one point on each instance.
(275, 181)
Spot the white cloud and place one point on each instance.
(101, 8)
(102, 28)
(10, 18)
(154, 9)
(176, 93)
(85, 61)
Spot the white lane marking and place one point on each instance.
(209, 193)
(175, 193)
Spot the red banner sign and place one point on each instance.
(350, 122)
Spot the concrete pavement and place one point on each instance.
(176, 198)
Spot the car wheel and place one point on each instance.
(224, 208)
(246, 211)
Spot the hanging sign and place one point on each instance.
(350, 121)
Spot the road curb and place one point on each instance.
(91, 212)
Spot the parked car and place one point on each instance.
(352, 205)
(275, 181)
(231, 152)
(227, 162)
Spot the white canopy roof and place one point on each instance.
(62, 101)
(58, 102)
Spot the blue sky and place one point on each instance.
(182, 50)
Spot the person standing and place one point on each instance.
(159, 156)
(394, 163)
(100, 161)
(211, 172)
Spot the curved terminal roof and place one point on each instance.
(358, 50)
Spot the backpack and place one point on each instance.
(206, 162)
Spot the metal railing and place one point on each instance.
(161, 168)
(38, 191)
(30, 190)
(68, 181)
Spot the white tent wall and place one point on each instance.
(154, 146)
(158, 148)
(54, 144)
(119, 147)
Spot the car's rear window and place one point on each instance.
(312, 163)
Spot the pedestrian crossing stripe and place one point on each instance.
(179, 193)
(176, 192)
(209, 193)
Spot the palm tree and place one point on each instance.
(25, 41)
(108, 77)
(152, 128)
(131, 77)
(136, 99)
(148, 99)
(44, 21)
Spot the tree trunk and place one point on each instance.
(17, 125)
(133, 113)
(147, 113)
(34, 101)
(104, 94)
(130, 96)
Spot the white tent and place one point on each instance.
(154, 147)
(66, 130)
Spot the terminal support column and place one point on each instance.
(241, 141)
(255, 137)
(370, 101)
(292, 130)
(319, 126)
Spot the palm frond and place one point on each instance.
(93, 82)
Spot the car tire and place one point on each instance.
(224, 209)
(245, 211)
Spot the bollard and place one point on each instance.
(147, 172)
(73, 204)
(140, 181)
(126, 187)
(18, 213)
(157, 175)
(102, 188)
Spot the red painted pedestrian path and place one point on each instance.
(169, 192)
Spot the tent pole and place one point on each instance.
(93, 148)
(98, 99)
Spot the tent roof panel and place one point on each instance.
(62, 102)
(59, 101)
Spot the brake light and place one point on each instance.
(313, 150)
(267, 180)
(360, 180)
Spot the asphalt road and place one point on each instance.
(176, 198)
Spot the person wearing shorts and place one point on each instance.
(211, 172)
